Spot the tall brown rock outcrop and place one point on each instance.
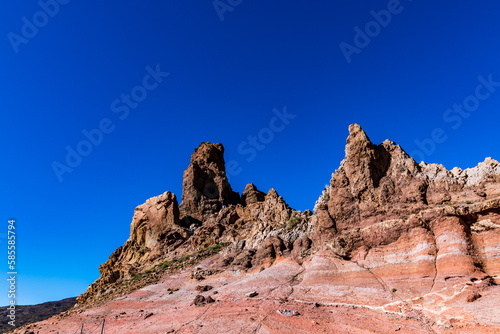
(210, 214)
(373, 180)
(205, 187)
(389, 214)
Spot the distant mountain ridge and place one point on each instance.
(26, 314)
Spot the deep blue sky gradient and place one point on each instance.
(226, 77)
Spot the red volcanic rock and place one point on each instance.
(272, 247)
(200, 300)
(393, 245)
(301, 247)
(352, 300)
(473, 296)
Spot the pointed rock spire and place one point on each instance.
(370, 177)
(205, 187)
(252, 195)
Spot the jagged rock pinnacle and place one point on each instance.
(205, 187)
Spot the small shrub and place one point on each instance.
(167, 264)
(394, 290)
(184, 258)
(213, 249)
(294, 221)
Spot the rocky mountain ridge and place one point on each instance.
(391, 241)
(211, 213)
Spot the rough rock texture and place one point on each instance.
(252, 195)
(154, 232)
(392, 246)
(205, 188)
(330, 295)
(162, 230)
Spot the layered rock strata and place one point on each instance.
(390, 237)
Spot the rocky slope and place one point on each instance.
(211, 213)
(392, 245)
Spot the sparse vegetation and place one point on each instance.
(294, 221)
(150, 271)
(213, 249)
(167, 263)
(151, 276)
(192, 259)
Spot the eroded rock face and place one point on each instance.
(381, 182)
(210, 214)
(252, 228)
(154, 232)
(388, 237)
(372, 181)
(205, 188)
(153, 218)
(420, 229)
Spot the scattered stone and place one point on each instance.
(203, 288)
(480, 193)
(288, 313)
(148, 315)
(200, 300)
(473, 297)
(197, 276)
(251, 294)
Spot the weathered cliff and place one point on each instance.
(391, 242)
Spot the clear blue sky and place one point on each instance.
(226, 77)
